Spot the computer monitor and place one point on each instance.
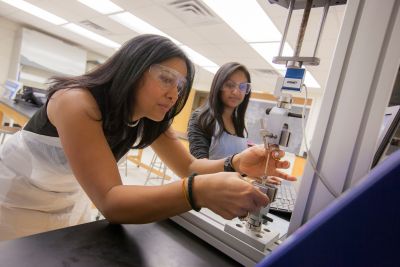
(390, 123)
(11, 88)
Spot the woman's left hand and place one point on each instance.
(252, 162)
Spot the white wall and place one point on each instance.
(10, 46)
(42, 51)
(8, 31)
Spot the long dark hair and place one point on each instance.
(114, 85)
(211, 111)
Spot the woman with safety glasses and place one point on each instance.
(217, 129)
(69, 149)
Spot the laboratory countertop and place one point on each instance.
(102, 244)
(23, 108)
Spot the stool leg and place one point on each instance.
(139, 156)
(153, 161)
(3, 138)
(164, 174)
(126, 165)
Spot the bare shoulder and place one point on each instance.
(77, 102)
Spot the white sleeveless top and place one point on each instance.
(225, 145)
(38, 191)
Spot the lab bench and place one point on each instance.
(100, 243)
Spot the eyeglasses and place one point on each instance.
(244, 88)
(168, 78)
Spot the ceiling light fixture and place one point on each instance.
(36, 11)
(200, 60)
(247, 18)
(102, 6)
(140, 26)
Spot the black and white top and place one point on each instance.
(40, 124)
(38, 190)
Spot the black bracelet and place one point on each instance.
(190, 192)
(228, 164)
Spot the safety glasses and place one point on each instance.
(168, 78)
(244, 88)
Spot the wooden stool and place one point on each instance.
(136, 159)
(4, 130)
(156, 163)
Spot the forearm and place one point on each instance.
(144, 204)
(204, 166)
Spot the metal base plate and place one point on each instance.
(259, 240)
(210, 227)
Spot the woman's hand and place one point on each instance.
(226, 194)
(252, 162)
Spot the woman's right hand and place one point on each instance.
(226, 194)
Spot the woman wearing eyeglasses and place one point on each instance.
(68, 151)
(217, 129)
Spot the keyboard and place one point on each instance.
(285, 198)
